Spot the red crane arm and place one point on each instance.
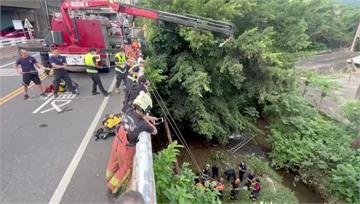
(191, 21)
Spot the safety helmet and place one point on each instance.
(143, 100)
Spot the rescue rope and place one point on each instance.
(179, 135)
(173, 125)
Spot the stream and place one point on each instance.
(203, 152)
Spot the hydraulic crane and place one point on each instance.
(79, 31)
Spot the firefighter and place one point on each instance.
(120, 69)
(143, 85)
(242, 171)
(133, 123)
(221, 188)
(234, 194)
(59, 65)
(133, 74)
(28, 72)
(92, 70)
(256, 188)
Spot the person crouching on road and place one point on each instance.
(120, 69)
(92, 69)
(134, 122)
(29, 72)
(59, 65)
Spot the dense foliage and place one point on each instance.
(220, 90)
(223, 88)
(180, 188)
(352, 113)
(320, 150)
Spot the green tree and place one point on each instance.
(180, 189)
(210, 88)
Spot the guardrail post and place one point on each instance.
(143, 179)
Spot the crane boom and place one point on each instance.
(196, 22)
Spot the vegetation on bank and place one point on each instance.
(221, 90)
(318, 149)
(180, 188)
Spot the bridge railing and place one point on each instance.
(143, 179)
(6, 42)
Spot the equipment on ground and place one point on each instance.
(85, 24)
(109, 129)
(62, 87)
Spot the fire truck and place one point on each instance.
(85, 24)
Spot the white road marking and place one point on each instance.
(56, 106)
(11, 63)
(61, 188)
(64, 98)
(42, 105)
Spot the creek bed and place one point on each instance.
(203, 152)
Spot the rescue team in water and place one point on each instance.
(210, 179)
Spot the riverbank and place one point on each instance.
(208, 153)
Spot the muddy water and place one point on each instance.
(203, 152)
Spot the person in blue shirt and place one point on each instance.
(59, 65)
(25, 66)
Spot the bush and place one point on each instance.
(318, 149)
(351, 111)
(179, 189)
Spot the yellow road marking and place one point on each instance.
(16, 92)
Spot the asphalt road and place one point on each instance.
(38, 143)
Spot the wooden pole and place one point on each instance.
(168, 134)
(357, 35)
(357, 95)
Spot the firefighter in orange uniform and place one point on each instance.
(123, 149)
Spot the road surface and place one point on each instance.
(49, 155)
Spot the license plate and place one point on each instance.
(75, 59)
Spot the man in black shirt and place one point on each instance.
(230, 174)
(242, 171)
(215, 171)
(29, 72)
(59, 65)
(143, 85)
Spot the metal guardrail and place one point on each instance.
(6, 42)
(143, 179)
